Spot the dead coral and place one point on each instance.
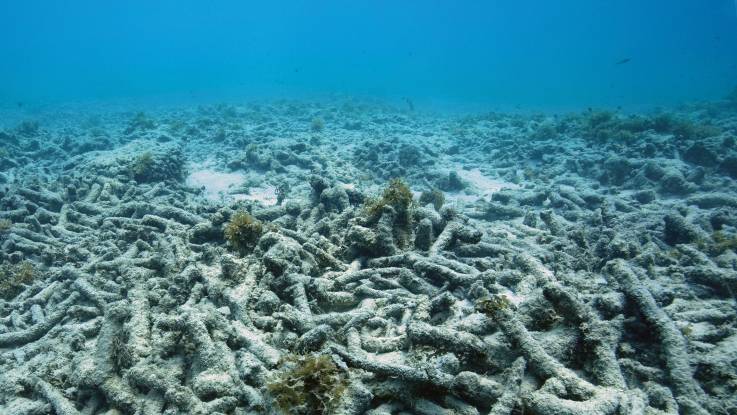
(308, 385)
(392, 216)
(605, 126)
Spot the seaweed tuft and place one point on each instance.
(282, 190)
(243, 231)
(492, 305)
(142, 165)
(308, 385)
(396, 195)
(13, 277)
(722, 242)
(434, 196)
(120, 353)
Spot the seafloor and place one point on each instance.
(352, 257)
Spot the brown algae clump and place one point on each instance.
(434, 196)
(397, 195)
(243, 231)
(120, 353)
(13, 277)
(492, 305)
(142, 165)
(308, 385)
(723, 242)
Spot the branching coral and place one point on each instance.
(243, 231)
(308, 385)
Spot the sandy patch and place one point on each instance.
(264, 194)
(483, 184)
(482, 187)
(391, 358)
(217, 184)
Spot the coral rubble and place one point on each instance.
(583, 264)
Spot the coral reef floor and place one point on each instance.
(351, 257)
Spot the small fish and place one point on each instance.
(19, 104)
(623, 61)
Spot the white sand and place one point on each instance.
(217, 184)
(485, 185)
(220, 185)
(264, 194)
(482, 186)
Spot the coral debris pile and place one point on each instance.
(599, 280)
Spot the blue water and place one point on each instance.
(507, 54)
